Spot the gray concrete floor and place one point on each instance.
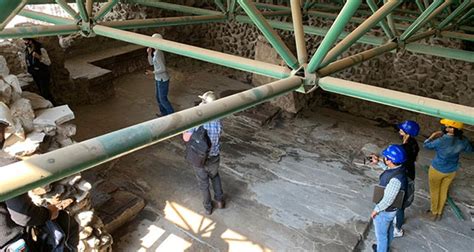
(293, 185)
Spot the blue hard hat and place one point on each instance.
(395, 153)
(410, 127)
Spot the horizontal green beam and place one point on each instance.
(40, 170)
(160, 22)
(38, 31)
(444, 52)
(366, 39)
(236, 62)
(359, 20)
(175, 7)
(372, 40)
(428, 106)
(46, 17)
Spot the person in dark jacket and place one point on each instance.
(408, 130)
(18, 214)
(38, 62)
(393, 179)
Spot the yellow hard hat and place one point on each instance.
(451, 123)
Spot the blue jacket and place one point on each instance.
(448, 148)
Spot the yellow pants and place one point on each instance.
(439, 186)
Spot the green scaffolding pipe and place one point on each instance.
(373, 6)
(356, 59)
(38, 31)
(428, 106)
(350, 39)
(281, 9)
(220, 5)
(297, 19)
(460, 9)
(82, 11)
(391, 23)
(440, 9)
(366, 39)
(372, 40)
(46, 17)
(334, 32)
(176, 7)
(420, 5)
(159, 22)
(465, 17)
(8, 10)
(20, 177)
(211, 56)
(272, 37)
(421, 20)
(231, 6)
(463, 55)
(105, 9)
(68, 9)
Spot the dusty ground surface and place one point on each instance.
(292, 185)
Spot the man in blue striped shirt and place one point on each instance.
(210, 169)
(393, 179)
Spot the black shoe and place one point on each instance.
(374, 247)
(208, 211)
(220, 204)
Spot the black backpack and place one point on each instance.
(198, 147)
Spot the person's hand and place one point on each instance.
(186, 136)
(53, 211)
(148, 72)
(374, 159)
(149, 50)
(435, 135)
(36, 55)
(373, 214)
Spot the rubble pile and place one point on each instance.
(34, 126)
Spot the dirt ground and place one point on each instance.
(295, 184)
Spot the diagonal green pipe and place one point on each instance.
(440, 9)
(420, 5)
(398, 99)
(40, 170)
(176, 7)
(270, 34)
(68, 9)
(336, 29)
(46, 17)
(460, 9)
(465, 17)
(38, 31)
(194, 52)
(82, 11)
(421, 20)
(297, 19)
(8, 10)
(350, 39)
(105, 9)
(373, 6)
(220, 5)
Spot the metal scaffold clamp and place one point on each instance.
(309, 79)
(86, 28)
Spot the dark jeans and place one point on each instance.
(400, 218)
(209, 171)
(162, 97)
(43, 82)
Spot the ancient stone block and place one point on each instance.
(120, 209)
(53, 116)
(37, 101)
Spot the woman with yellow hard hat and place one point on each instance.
(448, 143)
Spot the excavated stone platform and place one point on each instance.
(295, 184)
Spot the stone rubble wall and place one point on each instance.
(35, 127)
